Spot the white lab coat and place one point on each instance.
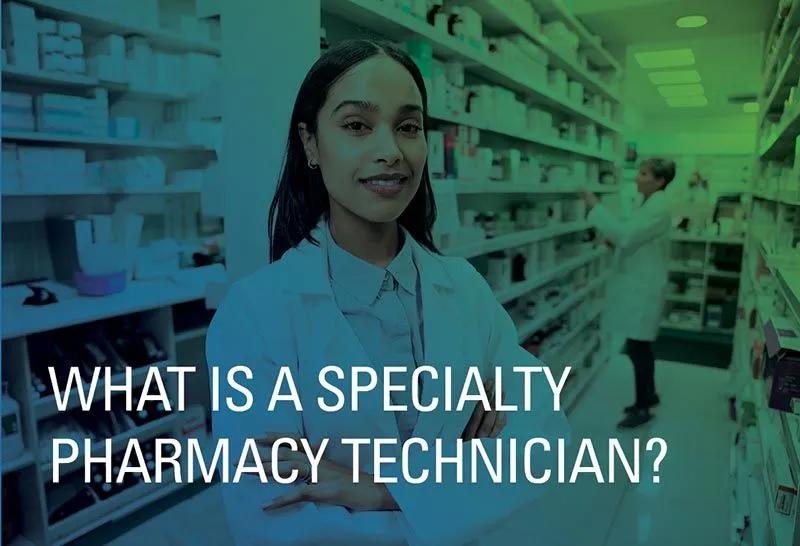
(285, 315)
(641, 245)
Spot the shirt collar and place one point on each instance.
(363, 280)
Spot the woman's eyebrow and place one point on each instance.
(409, 109)
(359, 104)
(372, 107)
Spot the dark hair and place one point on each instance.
(301, 198)
(662, 168)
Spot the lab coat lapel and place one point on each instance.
(327, 337)
(442, 327)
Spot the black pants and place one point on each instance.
(644, 369)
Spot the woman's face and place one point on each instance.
(370, 144)
(647, 182)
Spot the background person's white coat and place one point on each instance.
(285, 315)
(638, 289)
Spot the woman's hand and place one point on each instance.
(590, 198)
(334, 483)
(482, 423)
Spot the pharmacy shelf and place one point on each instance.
(496, 18)
(159, 38)
(694, 328)
(54, 78)
(69, 80)
(100, 191)
(688, 238)
(468, 187)
(20, 320)
(771, 196)
(758, 519)
(789, 283)
(144, 432)
(682, 298)
(189, 335)
(113, 508)
(780, 525)
(518, 238)
(774, 102)
(528, 327)
(63, 138)
(677, 268)
(47, 407)
(550, 357)
(518, 289)
(23, 461)
(527, 136)
(784, 46)
(558, 11)
(781, 142)
(384, 19)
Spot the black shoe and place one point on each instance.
(635, 419)
(653, 403)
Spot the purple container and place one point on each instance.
(100, 285)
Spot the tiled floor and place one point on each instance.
(690, 505)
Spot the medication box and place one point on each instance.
(782, 367)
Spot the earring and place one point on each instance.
(312, 164)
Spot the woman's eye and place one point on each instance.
(411, 129)
(356, 126)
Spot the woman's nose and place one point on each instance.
(386, 148)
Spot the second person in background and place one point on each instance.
(642, 244)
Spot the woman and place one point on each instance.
(355, 278)
(642, 242)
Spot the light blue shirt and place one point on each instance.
(384, 309)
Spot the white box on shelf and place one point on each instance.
(436, 154)
(19, 35)
(107, 68)
(46, 26)
(18, 121)
(51, 43)
(69, 29)
(73, 47)
(112, 45)
(17, 102)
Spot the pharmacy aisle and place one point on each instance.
(265, 235)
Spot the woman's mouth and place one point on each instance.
(388, 185)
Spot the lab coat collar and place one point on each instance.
(307, 264)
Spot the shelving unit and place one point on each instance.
(81, 140)
(527, 327)
(498, 20)
(528, 136)
(706, 245)
(395, 24)
(467, 187)
(769, 289)
(518, 289)
(151, 304)
(518, 238)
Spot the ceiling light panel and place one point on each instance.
(686, 90)
(673, 77)
(751, 107)
(665, 58)
(687, 102)
(691, 21)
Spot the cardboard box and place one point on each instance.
(20, 38)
